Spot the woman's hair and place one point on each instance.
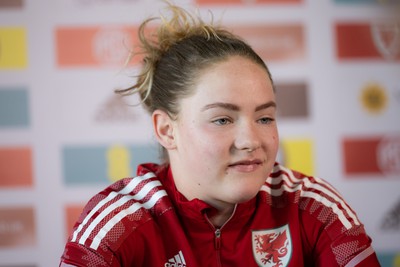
(176, 54)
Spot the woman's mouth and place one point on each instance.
(246, 165)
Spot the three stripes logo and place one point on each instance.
(177, 261)
(125, 202)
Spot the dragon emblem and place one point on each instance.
(272, 248)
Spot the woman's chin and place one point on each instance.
(245, 194)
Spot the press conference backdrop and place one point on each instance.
(64, 134)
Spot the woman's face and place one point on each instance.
(225, 136)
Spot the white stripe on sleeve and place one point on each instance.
(128, 188)
(140, 195)
(122, 214)
(360, 257)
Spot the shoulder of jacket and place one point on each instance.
(120, 209)
(312, 195)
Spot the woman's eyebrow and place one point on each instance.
(269, 104)
(234, 107)
(228, 106)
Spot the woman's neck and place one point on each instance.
(221, 217)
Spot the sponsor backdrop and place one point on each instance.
(64, 134)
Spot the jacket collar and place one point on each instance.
(196, 209)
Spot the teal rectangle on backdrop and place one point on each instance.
(14, 107)
(387, 259)
(104, 164)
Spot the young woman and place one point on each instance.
(220, 199)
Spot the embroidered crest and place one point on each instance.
(273, 247)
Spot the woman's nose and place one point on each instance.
(247, 137)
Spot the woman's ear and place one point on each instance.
(164, 129)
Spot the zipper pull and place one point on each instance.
(217, 239)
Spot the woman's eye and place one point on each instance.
(265, 120)
(221, 121)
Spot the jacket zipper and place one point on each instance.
(217, 241)
(217, 237)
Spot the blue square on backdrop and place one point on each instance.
(14, 108)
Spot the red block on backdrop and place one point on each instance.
(18, 227)
(375, 155)
(367, 41)
(16, 167)
(274, 42)
(95, 46)
(72, 214)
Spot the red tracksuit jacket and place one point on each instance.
(294, 221)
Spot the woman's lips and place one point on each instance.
(246, 165)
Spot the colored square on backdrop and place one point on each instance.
(17, 227)
(14, 108)
(13, 48)
(298, 155)
(371, 155)
(84, 165)
(292, 100)
(388, 259)
(367, 41)
(72, 213)
(104, 164)
(360, 155)
(274, 42)
(95, 46)
(11, 4)
(16, 167)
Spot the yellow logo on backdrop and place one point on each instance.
(396, 261)
(13, 48)
(373, 98)
(118, 158)
(298, 155)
